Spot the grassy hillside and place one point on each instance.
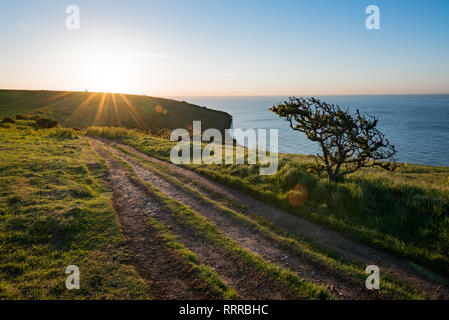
(406, 212)
(84, 109)
(56, 210)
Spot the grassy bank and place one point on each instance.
(55, 211)
(405, 213)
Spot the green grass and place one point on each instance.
(56, 210)
(83, 109)
(405, 213)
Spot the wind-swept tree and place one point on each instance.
(348, 141)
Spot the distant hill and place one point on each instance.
(84, 109)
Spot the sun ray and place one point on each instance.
(81, 108)
(99, 109)
(114, 102)
(133, 112)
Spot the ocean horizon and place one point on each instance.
(417, 125)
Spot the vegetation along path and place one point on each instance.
(237, 222)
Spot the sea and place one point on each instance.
(417, 125)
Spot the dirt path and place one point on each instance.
(133, 202)
(433, 286)
(168, 275)
(254, 240)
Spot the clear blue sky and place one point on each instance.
(175, 48)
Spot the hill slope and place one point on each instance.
(84, 109)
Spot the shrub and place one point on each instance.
(64, 132)
(8, 120)
(113, 132)
(45, 123)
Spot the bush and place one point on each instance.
(8, 120)
(20, 117)
(45, 123)
(64, 132)
(113, 132)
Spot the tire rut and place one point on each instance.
(245, 279)
(257, 241)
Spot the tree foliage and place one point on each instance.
(348, 141)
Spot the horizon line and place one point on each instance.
(171, 96)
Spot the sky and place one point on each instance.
(226, 48)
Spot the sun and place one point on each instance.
(108, 79)
(108, 74)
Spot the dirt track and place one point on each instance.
(168, 275)
(263, 245)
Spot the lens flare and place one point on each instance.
(298, 195)
(159, 108)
